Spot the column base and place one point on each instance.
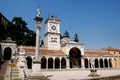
(93, 73)
(36, 66)
(67, 67)
(37, 76)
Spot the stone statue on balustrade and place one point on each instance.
(92, 63)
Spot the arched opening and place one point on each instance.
(101, 63)
(106, 63)
(115, 63)
(43, 63)
(96, 63)
(7, 53)
(75, 58)
(50, 63)
(110, 63)
(57, 62)
(86, 62)
(0, 53)
(29, 62)
(63, 63)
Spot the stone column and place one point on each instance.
(88, 63)
(117, 66)
(82, 63)
(53, 63)
(47, 63)
(36, 62)
(67, 63)
(103, 64)
(60, 62)
(98, 63)
(108, 63)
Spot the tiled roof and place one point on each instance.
(111, 49)
(41, 50)
(97, 52)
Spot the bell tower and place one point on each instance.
(52, 33)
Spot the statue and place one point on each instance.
(38, 12)
(92, 63)
(22, 51)
(93, 70)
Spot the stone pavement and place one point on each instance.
(3, 70)
(73, 74)
(80, 74)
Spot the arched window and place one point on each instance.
(63, 63)
(43, 63)
(86, 62)
(115, 63)
(110, 63)
(57, 62)
(101, 63)
(0, 53)
(96, 63)
(50, 63)
(29, 62)
(106, 63)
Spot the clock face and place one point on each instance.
(53, 27)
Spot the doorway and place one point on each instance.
(7, 53)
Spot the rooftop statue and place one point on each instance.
(38, 12)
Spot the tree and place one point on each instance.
(42, 43)
(66, 34)
(18, 31)
(76, 39)
(2, 32)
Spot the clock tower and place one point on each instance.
(52, 33)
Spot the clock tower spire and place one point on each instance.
(52, 33)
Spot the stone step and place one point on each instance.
(13, 78)
(38, 78)
(15, 73)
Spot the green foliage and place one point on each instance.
(2, 32)
(42, 43)
(18, 31)
(66, 34)
(76, 39)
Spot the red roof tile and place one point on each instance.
(41, 50)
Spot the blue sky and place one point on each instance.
(97, 22)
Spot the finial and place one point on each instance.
(38, 12)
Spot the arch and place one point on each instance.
(115, 63)
(86, 63)
(29, 62)
(7, 53)
(0, 52)
(110, 63)
(57, 62)
(96, 63)
(75, 57)
(106, 63)
(101, 63)
(50, 63)
(63, 63)
(43, 62)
